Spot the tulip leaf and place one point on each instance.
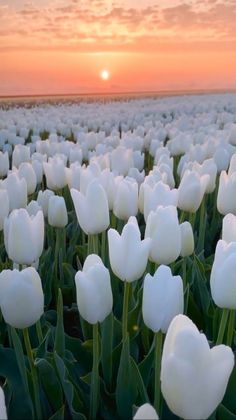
(59, 415)
(106, 348)
(42, 349)
(59, 345)
(20, 357)
(137, 378)
(73, 400)
(145, 367)
(9, 369)
(126, 389)
(229, 400)
(51, 384)
(224, 414)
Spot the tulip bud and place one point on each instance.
(189, 367)
(164, 230)
(21, 297)
(187, 239)
(163, 298)
(33, 208)
(3, 410)
(93, 290)
(57, 212)
(222, 279)
(92, 210)
(24, 236)
(146, 412)
(4, 208)
(127, 252)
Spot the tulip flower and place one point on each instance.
(57, 212)
(26, 171)
(93, 290)
(160, 195)
(4, 208)
(21, 153)
(21, 297)
(94, 300)
(193, 376)
(187, 239)
(92, 209)
(16, 189)
(4, 164)
(146, 412)
(126, 199)
(164, 230)
(191, 189)
(55, 172)
(162, 299)
(226, 198)
(127, 252)
(24, 236)
(3, 410)
(43, 200)
(229, 228)
(222, 279)
(122, 160)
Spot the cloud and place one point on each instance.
(100, 25)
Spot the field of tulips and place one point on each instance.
(118, 259)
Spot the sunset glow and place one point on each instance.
(49, 46)
(105, 75)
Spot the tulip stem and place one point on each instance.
(230, 331)
(94, 395)
(223, 323)
(125, 310)
(202, 226)
(33, 373)
(192, 220)
(39, 331)
(157, 389)
(103, 247)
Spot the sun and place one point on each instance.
(105, 74)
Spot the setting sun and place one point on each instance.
(105, 75)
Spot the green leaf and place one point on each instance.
(106, 350)
(224, 414)
(51, 384)
(137, 378)
(59, 415)
(73, 400)
(43, 347)
(20, 358)
(20, 404)
(126, 389)
(59, 345)
(229, 400)
(145, 367)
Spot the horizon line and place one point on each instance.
(118, 93)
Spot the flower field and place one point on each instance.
(118, 259)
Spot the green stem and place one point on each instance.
(157, 389)
(94, 396)
(56, 258)
(202, 226)
(33, 373)
(223, 323)
(192, 219)
(125, 310)
(230, 331)
(103, 246)
(39, 331)
(184, 272)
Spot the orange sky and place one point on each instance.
(53, 46)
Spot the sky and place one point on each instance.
(60, 47)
